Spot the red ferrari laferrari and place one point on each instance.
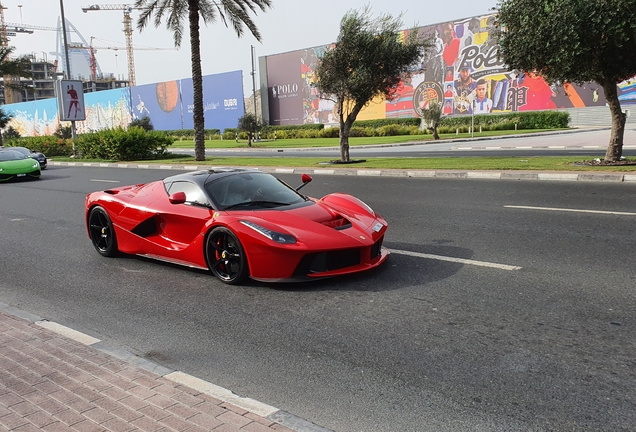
(238, 223)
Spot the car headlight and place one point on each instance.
(36, 164)
(272, 235)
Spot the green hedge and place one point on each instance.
(123, 145)
(189, 133)
(523, 120)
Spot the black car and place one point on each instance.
(32, 154)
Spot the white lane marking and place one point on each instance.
(457, 260)
(105, 181)
(572, 210)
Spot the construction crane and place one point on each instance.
(93, 49)
(127, 8)
(4, 38)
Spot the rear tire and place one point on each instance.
(225, 256)
(102, 234)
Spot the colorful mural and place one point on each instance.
(168, 104)
(462, 73)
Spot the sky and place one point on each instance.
(288, 26)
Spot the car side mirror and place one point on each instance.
(177, 198)
(306, 178)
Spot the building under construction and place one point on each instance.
(83, 64)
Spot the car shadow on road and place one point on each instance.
(397, 272)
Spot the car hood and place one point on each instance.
(318, 221)
(16, 166)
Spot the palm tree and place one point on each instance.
(20, 67)
(5, 118)
(176, 11)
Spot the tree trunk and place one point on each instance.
(615, 147)
(197, 81)
(249, 139)
(344, 142)
(435, 133)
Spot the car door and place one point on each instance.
(179, 225)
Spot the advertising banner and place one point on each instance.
(160, 102)
(461, 72)
(288, 104)
(222, 100)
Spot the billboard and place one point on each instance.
(462, 72)
(161, 102)
(167, 104)
(223, 102)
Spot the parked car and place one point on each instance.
(14, 164)
(40, 157)
(238, 223)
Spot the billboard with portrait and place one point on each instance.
(462, 73)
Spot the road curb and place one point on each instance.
(266, 411)
(569, 176)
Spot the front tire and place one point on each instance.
(225, 256)
(101, 232)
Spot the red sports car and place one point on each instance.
(238, 223)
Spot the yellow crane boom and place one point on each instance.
(127, 8)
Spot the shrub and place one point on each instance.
(332, 132)
(124, 145)
(390, 130)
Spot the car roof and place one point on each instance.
(202, 177)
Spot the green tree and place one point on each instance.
(369, 59)
(250, 124)
(236, 12)
(431, 117)
(11, 133)
(143, 123)
(573, 41)
(64, 132)
(5, 118)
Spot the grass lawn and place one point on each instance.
(540, 163)
(334, 142)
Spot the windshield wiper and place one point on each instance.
(257, 203)
(200, 204)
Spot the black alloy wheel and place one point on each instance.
(225, 256)
(101, 232)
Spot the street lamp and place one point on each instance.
(68, 70)
(67, 73)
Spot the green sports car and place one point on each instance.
(16, 165)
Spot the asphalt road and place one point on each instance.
(420, 344)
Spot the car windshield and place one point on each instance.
(23, 150)
(250, 190)
(10, 155)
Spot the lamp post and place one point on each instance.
(67, 73)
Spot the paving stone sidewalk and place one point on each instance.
(49, 382)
